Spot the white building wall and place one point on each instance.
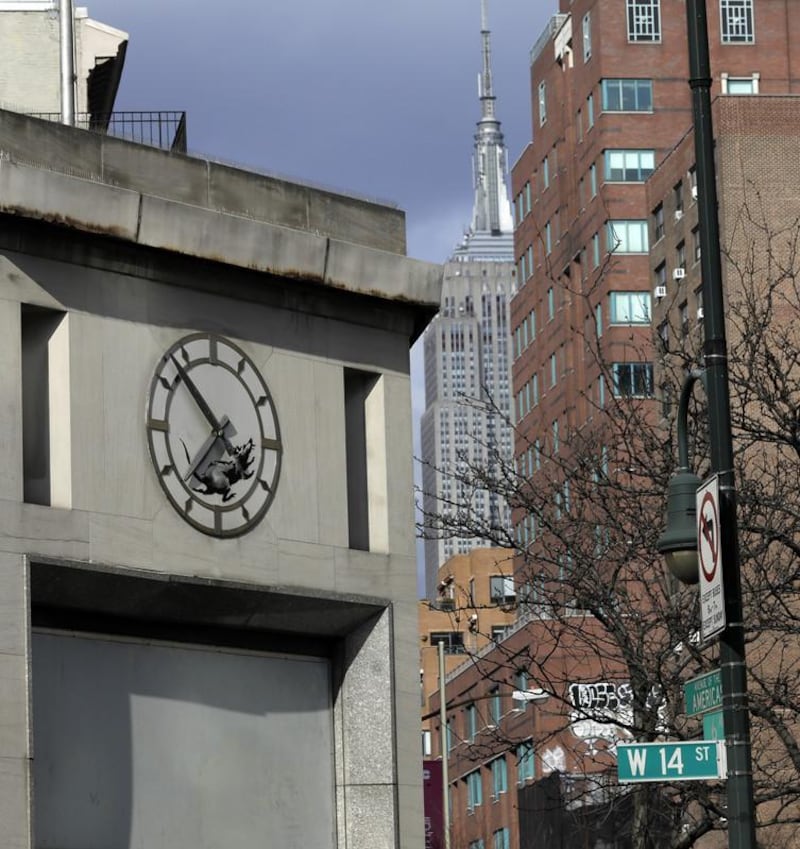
(29, 32)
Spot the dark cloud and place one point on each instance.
(373, 97)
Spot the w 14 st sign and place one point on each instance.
(688, 761)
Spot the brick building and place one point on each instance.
(522, 715)
(474, 606)
(756, 139)
(606, 239)
(610, 100)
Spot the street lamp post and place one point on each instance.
(741, 816)
(444, 746)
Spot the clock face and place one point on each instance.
(213, 435)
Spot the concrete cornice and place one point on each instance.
(90, 205)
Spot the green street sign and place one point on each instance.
(689, 761)
(713, 726)
(703, 693)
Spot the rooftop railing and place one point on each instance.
(164, 129)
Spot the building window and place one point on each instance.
(426, 744)
(698, 294)
(542, 102)
(450, 739)
(661, 275)
(696, 244)
(501, 589)
(476, 844)
(663, 336)
(521, 685)
(555, 437)
(495, 707)
(601, 392)
(658, 222)
(501, 838)
(471, 722)
(680, 255)
(590, 112)
(677, 195)
(499, 776)
(629, 166)
(553, 371)
(692, 174)
(525, 764)
(548, 238)
(595, 250)
(587, 36)
(736, 21)
(453, 641)
(740, 85)
(627, 237)
(630, 308)
(683, 312)
(598, 320)
(627, 95)
(593, 179)
(498, 633)
(633, 380)
(474, 790)
(546, 173)
(644, 20)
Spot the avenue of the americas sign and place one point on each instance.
(703, 693)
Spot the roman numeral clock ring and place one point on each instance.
(213, 435)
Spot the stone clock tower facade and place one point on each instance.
(207, 573)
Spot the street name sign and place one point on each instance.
(709, 556)
(703, 693)
(694, 760)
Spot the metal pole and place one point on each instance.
(67, 50)
(445, 747)
(741, 825)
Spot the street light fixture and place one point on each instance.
(678, 543)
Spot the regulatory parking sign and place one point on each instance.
(709, 551)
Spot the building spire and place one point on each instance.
(491, 214)
(485, 83)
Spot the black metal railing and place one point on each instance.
(164, 129)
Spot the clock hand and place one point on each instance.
(195, 393)
(217, 427)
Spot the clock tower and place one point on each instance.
(207, 571)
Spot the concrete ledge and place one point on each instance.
(382, 274)
(155, 222)
(61, 199)
(231, 239)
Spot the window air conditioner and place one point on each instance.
(694, 192)
(661, 292)
(700, 313)
(678, 214)
(679, 274)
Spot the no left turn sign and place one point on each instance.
(709, 555)
(708, 535)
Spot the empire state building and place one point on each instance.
(467, 350)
